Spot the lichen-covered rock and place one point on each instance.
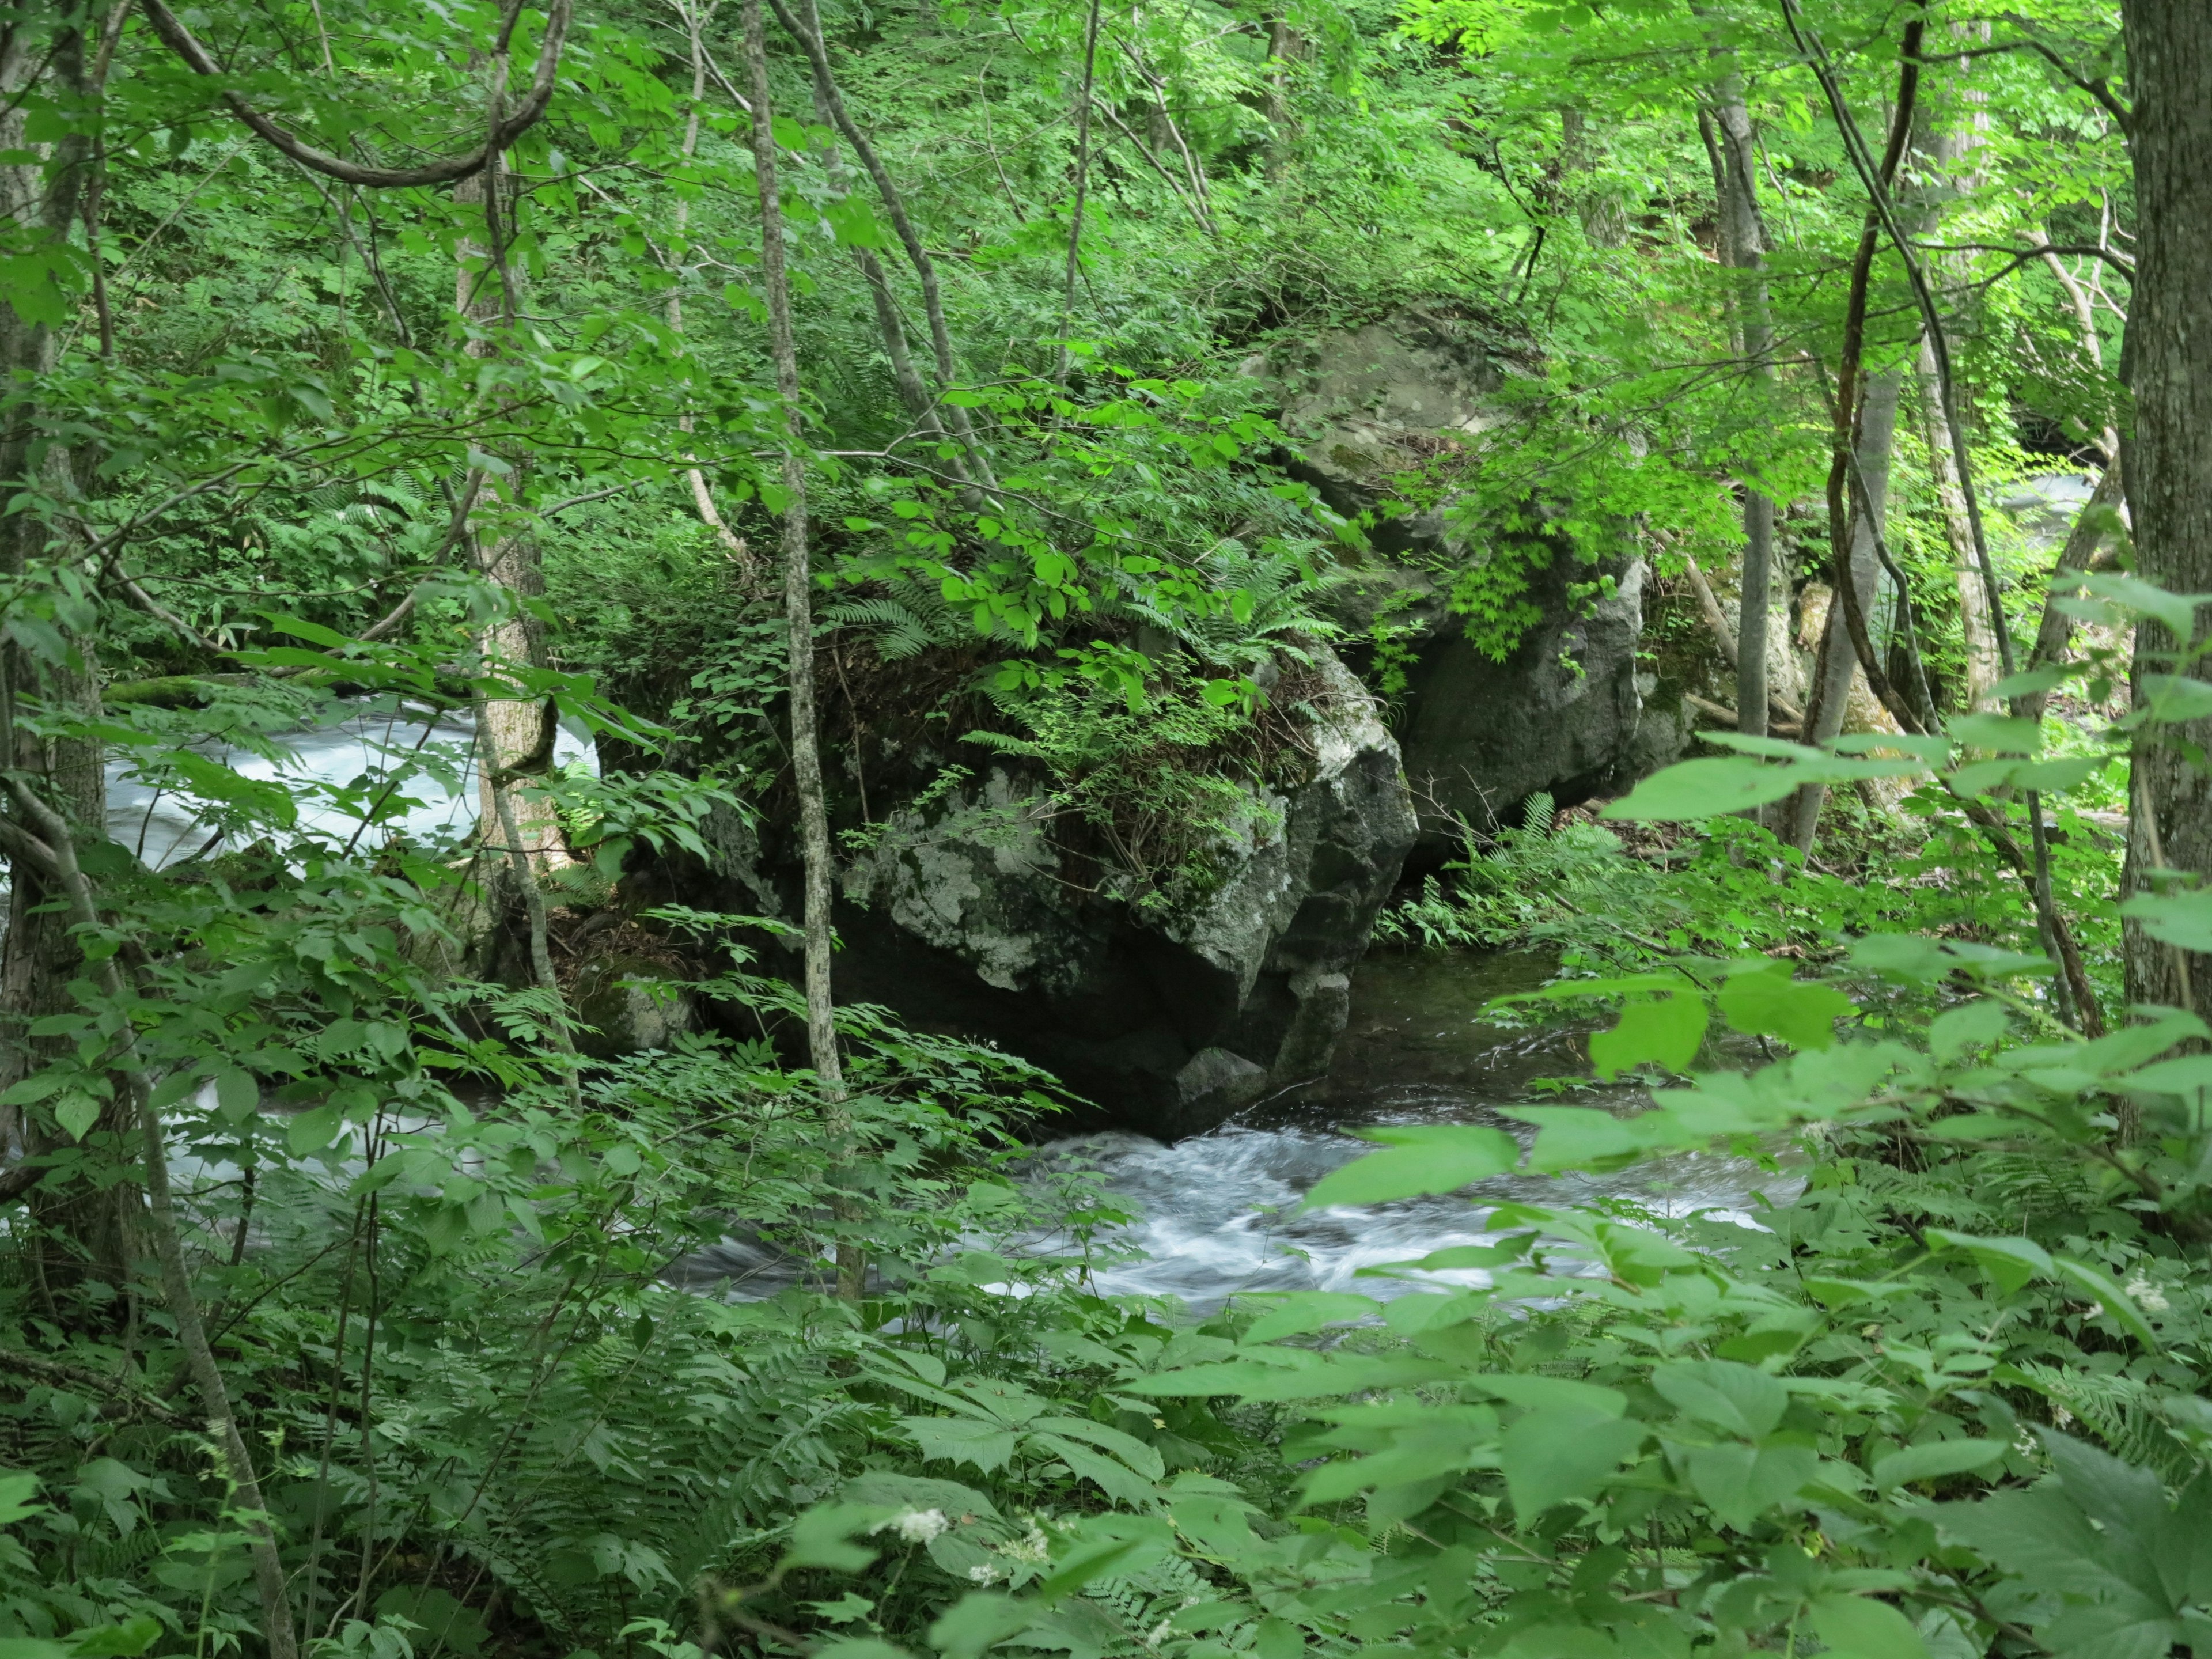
(629, 1004)
(1561, 712)
(965, 914)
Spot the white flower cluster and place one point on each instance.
(984, 1573)
(2147, 1294)
(1033, 1546)
(914, 1526)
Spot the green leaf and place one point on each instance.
(1668, 1030)
(1934, 1459)
(1423, 1159)
(1741, 1483)
(976, 1621)
(1704, 788)
(1556, 1456)
(2115, 1301)
(76, 1112)
(1318, 1381)
(1766, 1001)
(2001, 734)
(1975, 1025)
(237, 1095)
(2009, 1263)
(820, 1537)
(1301, 1311)
(1726, 1395)
(1107, 1544)
(2172, 698)
(1117, 1481)
(312, 1132)
(2182, 919)
(18, 1498)
(988, 1446)
(1142, 1457)
(1860, 1627)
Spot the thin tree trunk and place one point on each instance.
(805, 27)
(1864, 434)
(799, 622)
(1747, 243)
(518, 732)
(1836, 668)
(2169, 453)
(1082, 188)
(1984, 667)
(1283, 46)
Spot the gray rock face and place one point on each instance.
(965, 916)
(630, 1006)
(1561, 714)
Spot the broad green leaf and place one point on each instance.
(76, 1112)
(1741, 1483)
(2177, 611)
(1137, 1454)
(1423, 1159)
(1120, 1544)
(1556, 1454)
(1321, 1381)
(820, 1537)
(1301, 1311)
(2081, 1276)
(2184, 919)
(885, 1489)
(988, 1446)
(2009, 1263)
(2173, 698)
(2000, 734)
(1767, 1002)
(1667, 1031)
(1115, 1479)
(974, 1622)
(1729, 1396)
(1975, 1025)
(1704, 788)
(1934, 1459)
(1860, 1627)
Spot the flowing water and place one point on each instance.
(417, 769)
(1220, 1213)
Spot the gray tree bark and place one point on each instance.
(1745, 239)
(2168, 451)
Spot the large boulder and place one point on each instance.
(963, 913)
(1560, 712)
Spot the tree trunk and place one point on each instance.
(1838, 665)
(798, 635)
(2169, 454)
(86, 1231)
(1746, 241)
(518, 733)
(1984, 667)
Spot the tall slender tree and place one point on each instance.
(2167, 366)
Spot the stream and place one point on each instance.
(1218, 1214)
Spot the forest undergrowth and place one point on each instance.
(801, 401)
